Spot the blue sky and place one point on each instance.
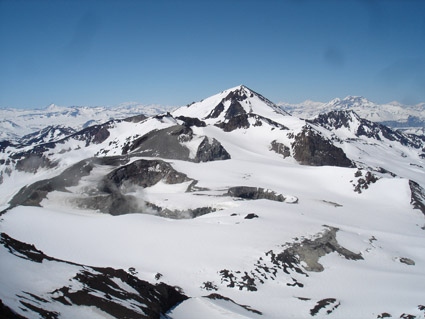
(176, 52)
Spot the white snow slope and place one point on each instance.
(224, 252)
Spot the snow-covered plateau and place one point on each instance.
(226, 208)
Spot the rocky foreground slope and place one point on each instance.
(228, 207)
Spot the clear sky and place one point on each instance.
(176, 52)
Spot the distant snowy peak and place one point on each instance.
(393, 114)
(350, 102)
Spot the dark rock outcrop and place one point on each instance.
(247, 192)
(135, 118)
(32, 162)
(236, 122)
(242, 121)
(323, 304)
(215, 296)
(211, 150)
(7, 313)
(290, 260)
(95, 134)
(208, 285)
(407, 261)
(180, 214)
(417, 196)
(143, 173)
(280, 148)
(192, 121)
(309, 251)
(165, 143)
(235, 109)
(364, 183)
(94, 287)
(4, 145)
(310, 148)
(251, 216)
(216, 111)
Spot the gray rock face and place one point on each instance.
(280, 148)
(95, 134)
(192, 121)
(163, 143)
(242, 121)
(167, 143)
(135, 118)
(216, 111)
(144, 173)
(211, 150)
(180, 214)
(417, 196)
(236, 122)
(309, 251)
(246, 192)
(310, 148)
(235, 109)
(407, 261)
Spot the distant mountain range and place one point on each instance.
(410, 118)
(15, 123)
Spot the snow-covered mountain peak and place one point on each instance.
(337, 119)
(234, 102)
(347, 124)
(349, 102)
(54, 108)
(335, 101)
